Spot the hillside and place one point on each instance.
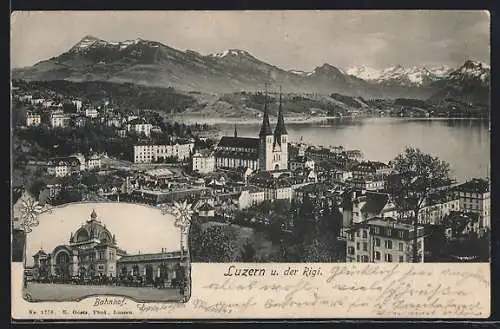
(170, 101)
(126, 95)
(151, 63)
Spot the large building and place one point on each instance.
(93, 252)
(65, 166)
(379, 240)
(301, 162)
(203, 162)
(139, 126)
(437, 208)
(160, 153)
(367, 169)
(268, 152)
(474, 197)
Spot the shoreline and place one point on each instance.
(299, 120)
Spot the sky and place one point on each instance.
(299, 40)
(136, 227)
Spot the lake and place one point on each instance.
(463, 143)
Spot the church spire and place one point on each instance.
(280, 125)
(235, 131)
(265, 129)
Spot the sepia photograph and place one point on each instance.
(117, 249)
(277, 136)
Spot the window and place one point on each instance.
(357, 234)
(377, 230)
(388, 258)
(388, 244)
(401, 259)
(401, 234)
(389, 232)
(364, 234)
(364, 259)
(377, 255)
(365, 246)
(377, 242)
(357, 246)
(400, 246)
(350, 250)
(357, 258)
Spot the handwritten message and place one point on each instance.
(302, 290)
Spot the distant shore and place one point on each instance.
(298, 120)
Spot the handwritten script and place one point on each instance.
(357, 290)
(306, 291)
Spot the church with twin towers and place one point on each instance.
(267, 152)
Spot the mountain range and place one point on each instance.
(152, 63)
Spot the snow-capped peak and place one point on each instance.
(91, 42)
(299, 72)
(126, 43)
(416, 75)
(86, 42)
(364, 72)
(227, 52)
(472, 69)
(475, 65)
(440, 71)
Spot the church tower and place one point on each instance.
(265, 140)
(280, 144)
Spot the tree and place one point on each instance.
(68, 196)
(213, 244)
(90, 179)
(194, 236)
(248, 252)
(417, 176)
(36, 187)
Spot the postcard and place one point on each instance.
(250, 164)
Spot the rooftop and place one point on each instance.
(236, 154)
(374, 165)
(206, 207)
(375, 202)
(315, 187)
(239, 142)
(203, 153)
(389, 222)
(138, 121)
(149, 257)
(159, 172)
(66, 160)
(475, 186)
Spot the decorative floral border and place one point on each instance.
(31, 209)
(183, 214)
